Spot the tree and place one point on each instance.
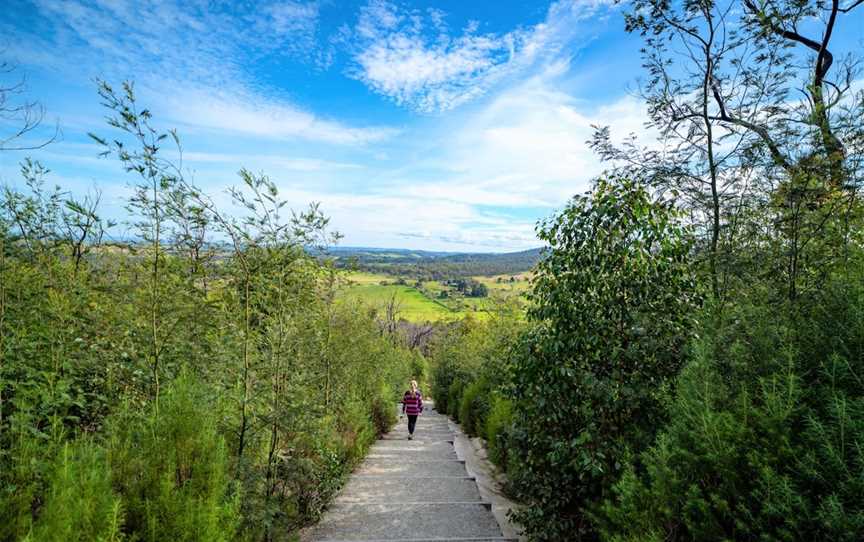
(612, 308)
(24, 116)
(737, 142)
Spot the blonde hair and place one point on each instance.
(413, 386)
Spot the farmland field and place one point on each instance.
(412, 305)
(424, 303)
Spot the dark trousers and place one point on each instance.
(412, 423)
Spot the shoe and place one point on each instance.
(410, 437)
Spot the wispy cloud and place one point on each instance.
(473, 178)
(413, 58)
(240, 111)
(410, 57)
(194, 57)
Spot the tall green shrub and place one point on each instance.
(171, 468)
(613, 305)
(474, 407)
(765, 434)
(499, 425)
(80, 502)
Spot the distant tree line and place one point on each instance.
(443, 267)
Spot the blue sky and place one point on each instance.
(438, 125)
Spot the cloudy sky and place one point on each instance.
(445, 125)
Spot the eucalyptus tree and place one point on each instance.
(20, 115)
(155, 209)
(613, 307)
(757, 122)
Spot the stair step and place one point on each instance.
(452, 467)
(412, 455)
(482, 539)
(420, 438)
(381, 489)
(408, 522)
(404, 444)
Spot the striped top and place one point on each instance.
(412, 405)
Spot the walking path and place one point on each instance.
(411, 491)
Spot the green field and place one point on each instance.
(411, 304)
(414, 305)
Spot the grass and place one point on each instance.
(363, 278)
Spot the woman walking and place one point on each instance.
(412, 405)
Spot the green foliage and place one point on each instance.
(765, 433)
(171, 467)
(499, 426)
(613, 305)
(474, 407)
(454, 397)
(175, 388)
(80, 503)
(471, 366)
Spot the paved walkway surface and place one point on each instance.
(411, 490)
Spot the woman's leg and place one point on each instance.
(412, 423)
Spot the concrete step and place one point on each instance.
(428, 426)
(414, 522)
(483, 539)
(420, 430)
(450, 467)
(424, 437)
(399, 490)
(411, 445)
(421, 434)
(410, 454)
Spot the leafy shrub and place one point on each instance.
(613, 306)
(498, 428)
(418, 368)
(454, 397)
(383, 411)
(357, 429)
(474, 407)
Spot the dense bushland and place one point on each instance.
(765, 431)
(173, 388)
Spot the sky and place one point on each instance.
(445, 125)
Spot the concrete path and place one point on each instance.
(411, 490)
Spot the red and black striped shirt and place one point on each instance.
(412, 405)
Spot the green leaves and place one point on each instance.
(612, 303)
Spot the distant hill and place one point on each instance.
(434, 265)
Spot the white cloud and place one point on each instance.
(397, 220)
(194, 58)
(412, 58)
(244, 112)
(527, 147)
(397, 56)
